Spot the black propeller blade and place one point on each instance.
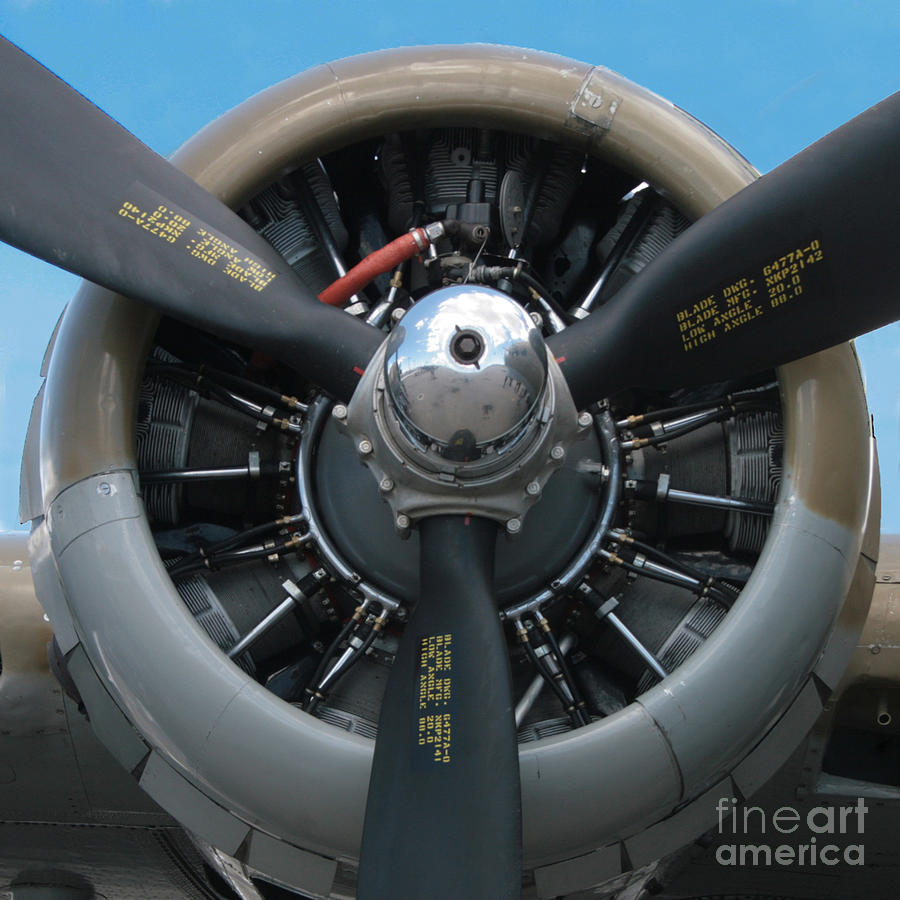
(443, 818)
(802, 259)
(80, 192)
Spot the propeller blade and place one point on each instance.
(443, 818)
(800, 260)
(80, 192)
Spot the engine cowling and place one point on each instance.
(283, 791)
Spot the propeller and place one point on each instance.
(443, 818)
(800, 260)
(80, 192)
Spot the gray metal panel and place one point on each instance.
(194, 810)
(139, 632)
(31, 500)
(762, 763)
(45, 741)
(845, 635)
(316, 798)
(119, 863)
(39, 773)
(112, 793)
(51, 774)
(283, 862)
(673, 833)
(34, 745)
(111, 726)
(579, 873)
(48, 587)
(88, 416)
(718, 703)
(91, 502)
(246, 748)
(612, 790)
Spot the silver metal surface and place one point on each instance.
(642, 651)
(295, 596)
(426, 479)
(382, 309)
(672, 424)
(176, 475)
(465, 370)
(654, 568)
(695, 499)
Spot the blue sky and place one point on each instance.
(770, 76)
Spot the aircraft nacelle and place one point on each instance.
(756, 523)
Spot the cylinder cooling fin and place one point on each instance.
(264, 579)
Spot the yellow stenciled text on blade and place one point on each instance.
(162, 221)
(201, 243)
(435, 691)
(780, 280)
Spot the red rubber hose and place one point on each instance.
(384, 260)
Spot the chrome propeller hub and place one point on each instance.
(465, 370)
(462, 410)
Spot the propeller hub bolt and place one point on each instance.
(340, 411)
(558, 453)
(364, 447)
(513, 526)
(467, 347)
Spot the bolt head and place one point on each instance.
(533, 488)
(558, 453)
(403, 521)
(386, 485)
(467, 347)
(364, 447)
(585, 419)
(513, 526)
(339, 411)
